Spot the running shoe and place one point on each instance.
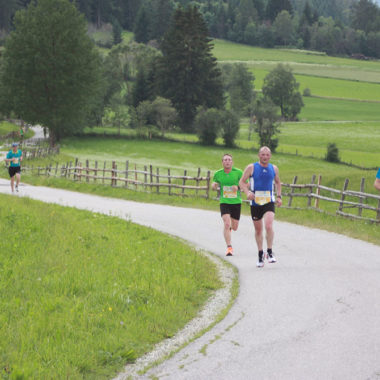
(260, 262)
(230, 251)
(16, 188)
(271, 258)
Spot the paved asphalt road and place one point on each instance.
(313, 315)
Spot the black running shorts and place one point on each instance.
(257, 212)
(12, 170)
(233, 210)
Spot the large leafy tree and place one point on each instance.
(241, 89)
(51, 70)
(281, 87)
(188, 72)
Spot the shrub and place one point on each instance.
(230, 127)
(332, 154)
(207, 125)
(306, 92)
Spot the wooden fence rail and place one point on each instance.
(355, 201)
(40, 151)
(348, 203)
(131, 178)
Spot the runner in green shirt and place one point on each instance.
(227, 180)
(14, 158)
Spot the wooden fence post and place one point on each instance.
(197, 182)
(76, 170)
(184, 181)
(292, 191)
(135, 176)
(87, 172)
(343, 195)
(378, 211)
(151, 176)
(208, 184)
(113, 174)
(360, 209)
(170, 182)
(104, 171)
(318, 192)
(80, 171)
(96, 171)
(145, 176)
(311, 190)
(126, 173)
(158, 179)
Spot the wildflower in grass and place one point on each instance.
(110, 308)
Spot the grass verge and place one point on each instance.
(81, 294)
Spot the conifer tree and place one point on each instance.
(188, 72)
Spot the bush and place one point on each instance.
(230, 127)
(332, 154)
(207, 125)
(306, 92)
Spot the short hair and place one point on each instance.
(226, 154)
(264, 148)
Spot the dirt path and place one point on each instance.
(313, 315)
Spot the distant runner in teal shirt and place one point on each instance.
(14, 157)
(377, 180)
(227, 179)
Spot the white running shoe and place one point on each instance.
(260, 264)
(271, 258)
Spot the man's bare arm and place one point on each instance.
(277, 182)
(244, 186)
(377, 184)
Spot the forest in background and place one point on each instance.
(336, 27)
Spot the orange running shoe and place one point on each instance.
(230, 251)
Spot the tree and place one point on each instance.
(51, 69)
(240, 88)
(188, 72)
(207, 125)
(230, 125)
(366, 16)
(274, 7)
(281, 87)
(143, 24)
(332, 154)
(165, 114)
(283, 28)
(266, 126)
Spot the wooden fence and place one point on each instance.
(148, 179)
(40, 151)
(345, 202)
(313, 195)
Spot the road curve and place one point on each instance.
(313, 315)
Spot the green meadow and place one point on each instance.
(79, 298)
(89, 308)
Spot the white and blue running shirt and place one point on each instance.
(262, 184)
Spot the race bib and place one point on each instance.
(262, 197)
(16, 160)
(228, 192)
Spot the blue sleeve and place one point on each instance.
(9, 154)
(378, 174)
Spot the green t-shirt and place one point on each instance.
(16, 155)
(226, 181)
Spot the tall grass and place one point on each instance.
(81, 294)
